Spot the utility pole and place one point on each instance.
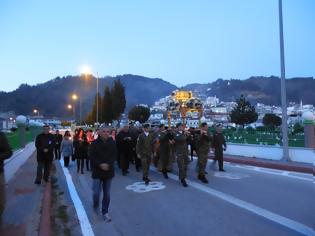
(97, 99)
(285, 141)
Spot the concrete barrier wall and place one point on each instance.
(305, 155)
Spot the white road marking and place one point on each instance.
(288, 174)
(85, 224)
(230, 175)
(291, 224)
(279, 173)
(141, 187)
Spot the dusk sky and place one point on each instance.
(179, 41)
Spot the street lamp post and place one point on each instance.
(80, 115)
(285, 155)
(97, 80)
(86, 71)
(74, 98)
(73, 110)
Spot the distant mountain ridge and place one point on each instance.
(51, 98)
(259, 89)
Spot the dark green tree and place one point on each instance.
(272, 120)
(297, 128)
(243, 113)
(139, 113)
(118, 99)
(107, 108)
(91, 117)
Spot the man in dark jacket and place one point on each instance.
(58, 140)
(5, 153)
(102, 154)
(45, 144)
(219, 145)
(124, 144)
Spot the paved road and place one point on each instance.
(243, 201)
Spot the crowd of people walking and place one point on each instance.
(98, 151)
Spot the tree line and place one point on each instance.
(110, 106)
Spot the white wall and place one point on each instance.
(305, 155)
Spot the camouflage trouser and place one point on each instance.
(2, 194)
(202, 163)
(156, 159)
(182, 161)
(165, 162)
(145, 161)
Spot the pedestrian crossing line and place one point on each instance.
(85, 224)
(291, 224)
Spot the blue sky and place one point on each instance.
(181, 41)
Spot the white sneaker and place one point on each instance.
(107, 218)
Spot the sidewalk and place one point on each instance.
(19, 157)
(288, 166)
(23, 200)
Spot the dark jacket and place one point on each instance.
(181, 143)
(58, 140)
(134, 133)
(124, 142)
(81, 147)
(218, 141)
(5, 150)
(164, 138)
(101, 151)
(144, 146)
(45, 141)
(203, 143)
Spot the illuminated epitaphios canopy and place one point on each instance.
(182, 96)
(183, 101)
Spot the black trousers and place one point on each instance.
(118, 159)
(137, 160)
(87, 162)
(80, 164)
(192, 148)
(125, 158)
(43, 165)
(66, 160)
(57, 153)
(218, 155)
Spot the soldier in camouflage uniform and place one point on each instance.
(219, 145)
(144, 151)
(182, 139)
(203, 144)
(165, 139)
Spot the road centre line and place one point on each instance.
(85, 224)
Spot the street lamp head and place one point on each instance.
(35, 111)
(86, 70)
(69, 106)
(74, 96)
